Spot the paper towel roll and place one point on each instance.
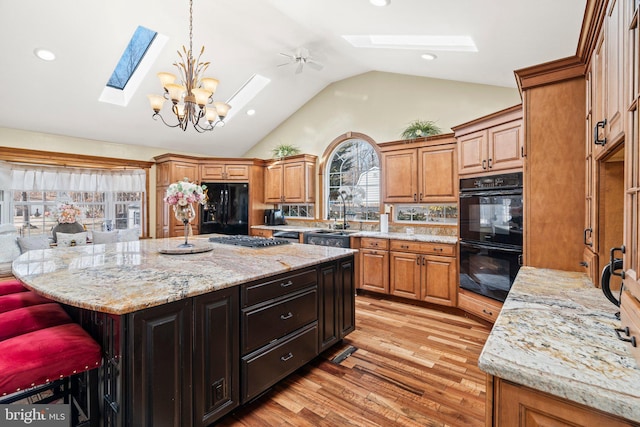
(384, 223)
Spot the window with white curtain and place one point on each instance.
(107, 198)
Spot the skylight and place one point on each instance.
(441, 43)
(245, 94)
(143, 49)
(131, 57)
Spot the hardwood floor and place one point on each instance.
(413, 367)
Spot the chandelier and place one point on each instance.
(193, 99)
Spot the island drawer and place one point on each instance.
(257, 292)
(374, 243)
(264, 324)
(263, 369)
(422, 247)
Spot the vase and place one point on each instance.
(185, 214)
(66, 227)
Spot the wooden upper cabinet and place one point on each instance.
(437, 174)
(400, 176)
(217, 171)
(420, 171)
(492, 143)
(291, 180)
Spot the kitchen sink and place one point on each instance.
(335, 238)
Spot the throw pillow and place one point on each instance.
(9, 249)
(128, 235)
(35, 242)
(68, 239)
(104, 237)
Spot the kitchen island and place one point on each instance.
(553, 354)
(187, 338)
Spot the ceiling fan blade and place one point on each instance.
(315, 65)
(291, 57)
(299, 68)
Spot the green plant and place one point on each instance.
(284, 150)
(420, 128)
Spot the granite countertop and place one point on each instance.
(120, 278)
(556, 334)
(434, 238)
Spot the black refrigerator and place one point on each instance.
(226, 210)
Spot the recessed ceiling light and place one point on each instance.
(380, 3)
(423, 42)
(44, 54)
(429, 56)
(251, 112)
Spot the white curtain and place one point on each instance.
(25, 178)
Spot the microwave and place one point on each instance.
(273, 217)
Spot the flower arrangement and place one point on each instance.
(184, 192)
(66, 213)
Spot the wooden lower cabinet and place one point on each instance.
(374, 270)
(336, 316)
(261, 232)
(481, 306)
(424, 271)
(406, 270)
(519, 406)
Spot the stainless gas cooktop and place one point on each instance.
(249, 241)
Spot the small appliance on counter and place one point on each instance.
(273, 217)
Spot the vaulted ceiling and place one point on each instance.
(244, 37)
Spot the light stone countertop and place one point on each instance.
(555, 333)
(120, 278)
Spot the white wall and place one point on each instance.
(381, 105)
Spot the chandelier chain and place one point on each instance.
(190, 27)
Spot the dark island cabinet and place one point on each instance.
(187, 363)
(159, 356)
(170, 384)
(216, 384)
(337, 303)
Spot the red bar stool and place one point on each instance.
(44, 353)
(11, 286)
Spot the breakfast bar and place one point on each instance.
(188, 337)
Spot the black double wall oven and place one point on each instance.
(490, 233)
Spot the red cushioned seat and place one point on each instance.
(28, 319)
(20, 299)
(45, 355)
(11, 286)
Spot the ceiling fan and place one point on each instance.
(301, 57)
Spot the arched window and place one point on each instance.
(352, 179)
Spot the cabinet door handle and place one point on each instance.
(625, 330)
(286, 357)
(484, 164)
(423, 260)
(490, 313)
(420, 196)
(289, 315)
(489, 163)
(596, 129)
(418, 261)
(415, 197)
(404, 246)
(287, 284)
(587, 230)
